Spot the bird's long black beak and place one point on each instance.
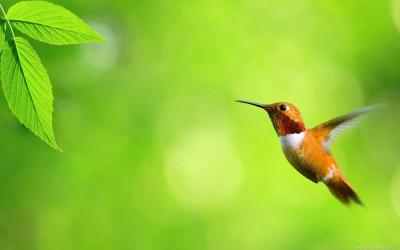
(253, 103)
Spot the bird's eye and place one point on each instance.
(282, 107)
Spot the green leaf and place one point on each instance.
(2, 34)
(27, 88)
(50, 23)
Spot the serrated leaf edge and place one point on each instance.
(55, 146)
(99, 38)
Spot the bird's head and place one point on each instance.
(285, 117)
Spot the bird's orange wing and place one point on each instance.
(326, 131)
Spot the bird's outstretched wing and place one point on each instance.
(327, 131)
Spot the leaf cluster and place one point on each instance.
(25, 81)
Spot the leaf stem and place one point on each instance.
(8, 21)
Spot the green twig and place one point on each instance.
(8, 21)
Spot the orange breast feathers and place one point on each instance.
(306, 155)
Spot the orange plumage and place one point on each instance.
(307, 150)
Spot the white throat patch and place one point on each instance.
(292, 141)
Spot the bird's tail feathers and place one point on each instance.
(342, 190)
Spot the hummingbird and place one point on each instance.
(308, 150)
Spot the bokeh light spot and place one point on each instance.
(202, 169)
(101, 56)
(396, 13)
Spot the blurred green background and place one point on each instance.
(158, 156)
